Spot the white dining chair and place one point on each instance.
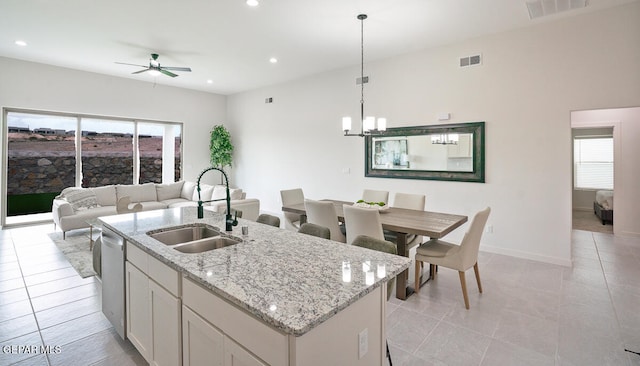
(268, 220)
(315, 230)
(323, 213)
(362, 221)
(459, 257)
(370, 195)
(292, 197)
(408, 201)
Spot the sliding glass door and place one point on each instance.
(107, 152)
(41, 161)
(47, 152)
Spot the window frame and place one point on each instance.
(575, 162)
(79, 116)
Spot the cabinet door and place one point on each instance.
(165, 326)
(138, 314)
(235, 355)
(201, 342)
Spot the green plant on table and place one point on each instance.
(371, 203)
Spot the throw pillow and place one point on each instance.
(219, 192)
(187, 190)
(79, 198)
(169, 191)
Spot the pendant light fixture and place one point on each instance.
(368, 124)
(445, 139)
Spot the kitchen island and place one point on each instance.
(276, 298)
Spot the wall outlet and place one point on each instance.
(363, 343)
(490, 229)
(346, 170)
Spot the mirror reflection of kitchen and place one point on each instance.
(435, 152)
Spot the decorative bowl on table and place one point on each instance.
(380, 206)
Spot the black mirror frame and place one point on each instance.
(477, 175)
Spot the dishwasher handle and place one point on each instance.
(112, 241)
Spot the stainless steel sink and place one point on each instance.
(206, 245)
(184, 234)
(193, 238)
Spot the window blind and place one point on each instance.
(593, 162)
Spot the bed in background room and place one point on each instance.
(603, 206)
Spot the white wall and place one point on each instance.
(36, 86)
(626, 170)
(530, 81)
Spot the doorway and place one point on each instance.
(593, 173)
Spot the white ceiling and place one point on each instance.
(229, 43)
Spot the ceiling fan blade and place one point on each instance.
(176, 68)
(141, 71)
(168, 73)
(122, 63)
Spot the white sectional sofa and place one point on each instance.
(75, 206)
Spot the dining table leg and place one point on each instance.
(402, 290)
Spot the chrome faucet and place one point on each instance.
(230, 221)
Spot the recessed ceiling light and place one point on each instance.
(21, 43)
(252, 2)
(273, 60)
(209, 81)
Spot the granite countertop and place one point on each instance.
(291, 281)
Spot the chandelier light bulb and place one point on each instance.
(382, 124)
(346, 123)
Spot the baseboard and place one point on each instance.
(627, 233)
(583, 209)
(526, 255)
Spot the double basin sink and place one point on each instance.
(193, 238)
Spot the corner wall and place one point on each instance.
(530, 81)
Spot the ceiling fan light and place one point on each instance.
(154, 72)
(253, 3)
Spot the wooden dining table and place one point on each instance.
(403, 222)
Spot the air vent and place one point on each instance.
(540, 8)
(474, 60)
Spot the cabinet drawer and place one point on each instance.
(260, 339)
(137, 257)
(164, 275)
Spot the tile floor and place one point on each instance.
(531, 313)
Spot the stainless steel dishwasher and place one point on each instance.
(113, 280)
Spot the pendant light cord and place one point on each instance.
(362, 17)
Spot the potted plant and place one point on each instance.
(220, 147)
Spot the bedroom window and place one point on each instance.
(593, 162)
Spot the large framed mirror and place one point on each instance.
(452, 152)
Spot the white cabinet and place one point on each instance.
(153, 308)
(138, 316)
(235, 355)
(202, 343)
(246, 341)
(165, 326)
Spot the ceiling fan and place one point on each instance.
(154, 67)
